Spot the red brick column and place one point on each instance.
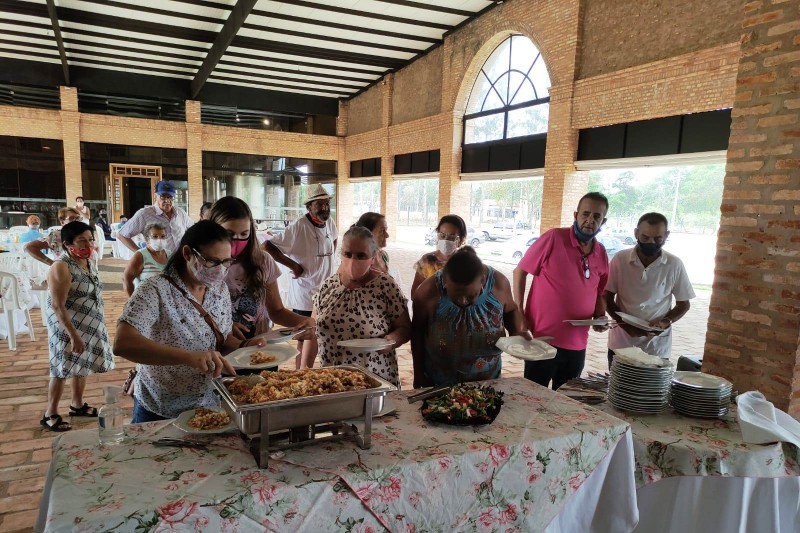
(344, 189)
(194, 157)
(754, 317)
(71, 137)
(388, 185)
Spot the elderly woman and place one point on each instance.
(451, 233)
(51, 243)
(78, 339)
(459, 313)
(176, 326)
(359, 303)
(252, 280)
(376, 223)
(33, 233)
(148, 261)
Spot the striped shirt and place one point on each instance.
(176, 226)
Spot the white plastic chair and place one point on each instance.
(100, 243)
(10, 304)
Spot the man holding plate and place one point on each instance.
(569, 268)
(642, 282)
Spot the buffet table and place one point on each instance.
(697, 475)
(546, 463)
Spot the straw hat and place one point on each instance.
(317, 193)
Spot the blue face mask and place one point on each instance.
(581, 236)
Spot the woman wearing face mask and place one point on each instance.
(51, 243)
(252, 280)
(33, 232)
(78, 339)
(359, 303)
(459, 313)
(451, 233)
(177, 326)
(150, 260)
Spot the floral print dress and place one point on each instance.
(363, 313)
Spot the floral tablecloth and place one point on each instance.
(668, 445)
(513, 475)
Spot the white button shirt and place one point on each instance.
(313, 248)
(646, 292)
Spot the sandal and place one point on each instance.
(84, 410)
(58, 424)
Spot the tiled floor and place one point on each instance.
(25, 447)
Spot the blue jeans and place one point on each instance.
(140, 414)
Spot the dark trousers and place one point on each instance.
(566, 365)
(140, 414)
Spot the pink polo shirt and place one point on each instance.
(560, 291)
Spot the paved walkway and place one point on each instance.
(25, 447)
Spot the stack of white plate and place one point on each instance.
(700, 395)
(639, 388)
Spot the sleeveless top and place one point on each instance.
(460, 341)
(151, 267)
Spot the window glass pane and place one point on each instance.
(498, 62)
(521, 89)
(479, 93)
(492, 101)
(528, 120)
(541, 80)
(482, 129)
(523, 53)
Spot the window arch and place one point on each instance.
(510, 97)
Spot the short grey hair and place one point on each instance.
(150, 226)
(360, 232)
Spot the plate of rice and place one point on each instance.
(204, 421)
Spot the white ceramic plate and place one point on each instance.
(699, 380)
(638, 322)
(589, 322)
(527, 350)
(241, 358)
(366, 345)
(182, 423)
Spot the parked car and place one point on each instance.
(612, 244)
(474, 238)
(515, 247)
(626, 236)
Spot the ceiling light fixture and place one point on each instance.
(266, 122)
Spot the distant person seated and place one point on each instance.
(122, 220)
(102, 221)
(83, 209)
(33, 232)
(51, 243)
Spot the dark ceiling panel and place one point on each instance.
(315, 52)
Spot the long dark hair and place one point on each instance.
(369, 220)
(252, 258)
(197, 236)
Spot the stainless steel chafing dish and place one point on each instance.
(309, 419)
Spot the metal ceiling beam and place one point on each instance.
(51, 11)
(221, 43)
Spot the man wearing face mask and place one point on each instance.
(306, 248)
(642, 282)
(570, 270)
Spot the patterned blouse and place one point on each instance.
(162, 314)
(460, 341)
(428, 265)
(363, 313)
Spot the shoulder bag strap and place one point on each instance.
(203, 313)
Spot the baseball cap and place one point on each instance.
(165, 187)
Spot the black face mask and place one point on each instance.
(649, 249)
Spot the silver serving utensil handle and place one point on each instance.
(430, 393)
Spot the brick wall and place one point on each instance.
(618, 34)
(71, 137)
(366, 110)
(754, 317)
(418, 89)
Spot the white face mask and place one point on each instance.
(158, 244)
(446, 247)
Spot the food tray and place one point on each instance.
(306, 411)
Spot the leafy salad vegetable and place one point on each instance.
(464, 404)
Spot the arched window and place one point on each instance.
(511, 96)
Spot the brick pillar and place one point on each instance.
(754, 316)
(71, 136)
(388, 185)
(194, 157)
(453, 192)
(563, 186)
(344, 189)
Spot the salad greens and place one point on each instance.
(464, 404)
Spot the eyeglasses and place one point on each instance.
(211, 263)
(322, 250)
(585, 262)
(447, 237)
(166, 198)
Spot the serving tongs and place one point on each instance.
(181, 443)
(430, 393)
